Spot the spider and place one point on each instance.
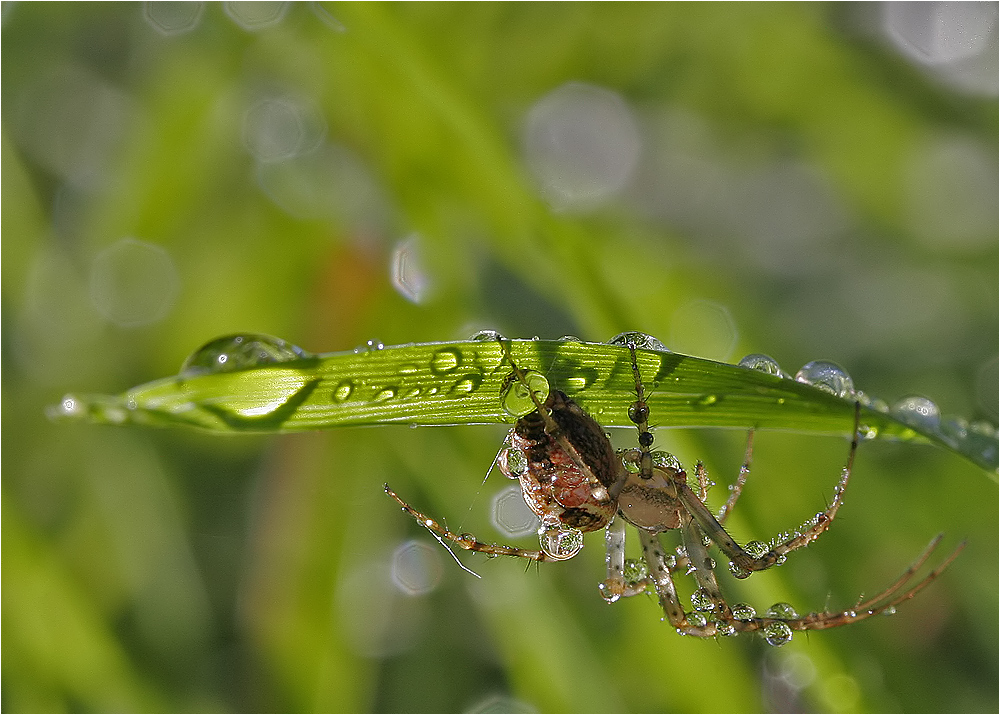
(572, 477)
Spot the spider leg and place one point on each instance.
(743, 563)
(468, 541)
(660, 574)
(703, 568)
(884, 602)
(616, 586)
(736, 489)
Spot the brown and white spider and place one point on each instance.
(575, 481)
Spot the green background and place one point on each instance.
(801, 189)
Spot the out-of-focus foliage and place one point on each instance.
(807, 181)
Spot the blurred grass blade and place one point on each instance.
(461, 383)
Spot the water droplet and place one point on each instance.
(743, 611)
(890, 611)
(781, 610)
(369, 347)
(665, 460)
(873, 403)
(575, 383)
(239, 352)
(777, 633)
(487, 336)
(639, 340)
(696, 619)
(635, 570)
(756, 549)
(706, 400)
(560, 542)
(408, 369)
(385, 394)
(516, 397)
(512, 462)
(763, 363)
(702, 601)
(725, 629)
(445, 361)
(343, 390)
(918, 412)
(738, 571)
(570, 339)
(827, 376)
(467, 384)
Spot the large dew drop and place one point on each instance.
(639, 340)
(763, 363)
(239, 352)
(516, 397)
(560, 542)
(827, 376)
(918, 412)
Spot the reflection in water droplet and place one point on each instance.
(706, 400)
(763, 363)
(777, 633)
(744, 611)
(781, 610)
(696, 619)
(467, 385)
(516, 397)
(485, 336)
(445, 361)
(239, 352)
(702, 601)
(639, 340)
(408, 369)
(512, 462)
(918, 412)
(755, 548)
(385, 394)
(560, 542)
(827, 376)
(576, 383)
(368, 347)
(343, 390)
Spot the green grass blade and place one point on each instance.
(461, 383)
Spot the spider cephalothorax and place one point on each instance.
(575, 481)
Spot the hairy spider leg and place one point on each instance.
(884, 602)
(737, 488)
(597, 490)
(743, 563)
(468, 541)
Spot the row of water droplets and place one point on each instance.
(916, 411)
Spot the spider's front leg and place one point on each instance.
(560, 552)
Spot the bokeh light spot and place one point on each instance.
(510, 515)
(133, 283)
(254, 16)
(408, 276)
(416, 568)
(173, 18)
(582, 145)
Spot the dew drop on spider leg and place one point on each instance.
(702, 601)
(781, 610)
(516, 396)
(697, 620)
(487, 336)
(743, 611)
(777, 633)
(560, 542)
